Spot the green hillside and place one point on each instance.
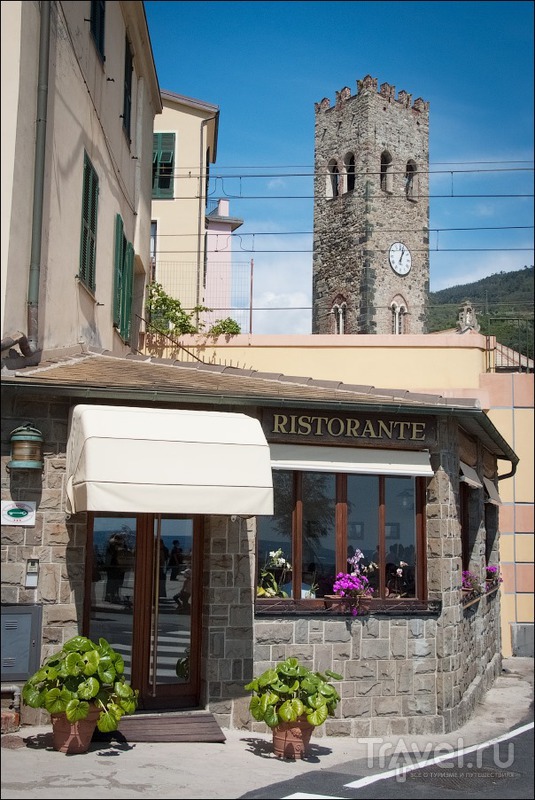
(503, 303)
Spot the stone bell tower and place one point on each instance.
(371, 212)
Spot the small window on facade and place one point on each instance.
(123, 281)
(398, 318)
(98, 13)
(88, 238)
(163, 162)
(333, 179)
(387, 173)
(349, 163)
(127, 97)
(321, 520)
(410, 181)
(339, 312)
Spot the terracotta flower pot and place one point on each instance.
(73, 737)
(291, 739)
(335, 603)
(341, 605)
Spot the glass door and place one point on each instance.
(145, 599)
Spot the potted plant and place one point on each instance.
(82, 686)
(471, 586)
(273, 575)
(292, 700)
(352, 590)
(492, 578)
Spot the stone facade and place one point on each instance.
(403, 673)
(354, 228)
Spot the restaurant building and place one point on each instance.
(235, 469)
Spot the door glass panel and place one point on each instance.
(171, 617)
(112, 585)
(319, 545)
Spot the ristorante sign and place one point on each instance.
(382, 430)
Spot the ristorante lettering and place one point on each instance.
(348, 427)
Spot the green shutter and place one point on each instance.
(128, 283)
(118, 270)
(163, 164)
(88, 237)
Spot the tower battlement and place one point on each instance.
(385, 91)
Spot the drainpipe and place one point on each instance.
(17, 338)
(39, 174)
(12, 688)
(202, 185)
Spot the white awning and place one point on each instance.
(492, 493)
(469, 476)
(346, 459)
(167, 461)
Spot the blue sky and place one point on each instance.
(265, 65)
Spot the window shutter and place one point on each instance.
(118, 270)
(88, 238)
(128, 281)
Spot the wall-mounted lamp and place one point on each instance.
(26, 448)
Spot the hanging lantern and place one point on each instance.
(26, 448)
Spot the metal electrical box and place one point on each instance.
(21, 642)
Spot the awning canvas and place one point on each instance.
(469, 476)
(346, 459)
(135, 460)
(493, 496)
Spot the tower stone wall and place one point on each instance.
(371, 189)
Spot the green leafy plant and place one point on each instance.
(226, 326)
(166, 314)
(290, 690)
(167, 317)
(80, 674)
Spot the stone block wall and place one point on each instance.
(58, 544)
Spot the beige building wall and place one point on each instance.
(180, 220)
(83, 114)
(449, 364)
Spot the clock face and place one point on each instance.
(400, 258)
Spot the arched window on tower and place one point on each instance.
(349, 165)
(339, 312)
(333, 179)
(398, 318)
(387, 172)
(411, 180)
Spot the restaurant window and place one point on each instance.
(323, 519)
